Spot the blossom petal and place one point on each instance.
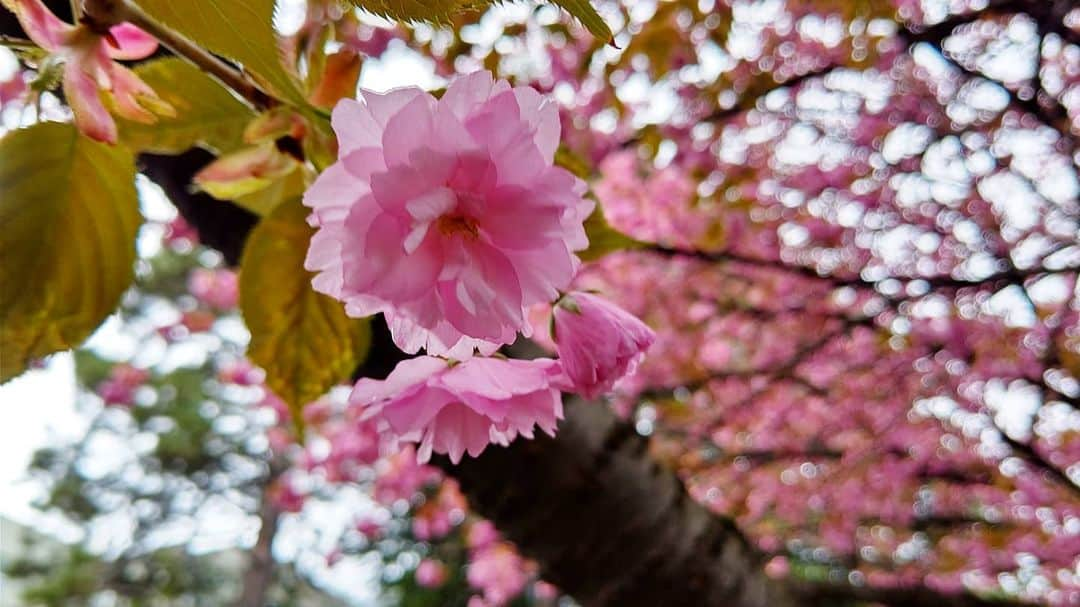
(355, 127)
(43, 27)
(408, 130)
(543, 116)
(131, 42)
(91, 117)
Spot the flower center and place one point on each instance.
(451, 224)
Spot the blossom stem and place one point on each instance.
(228, 74)
(17, 43)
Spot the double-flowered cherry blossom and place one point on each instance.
(598, 342)
(89, 69)
(458, 408)
(447, 215)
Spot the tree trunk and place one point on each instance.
(610, 526)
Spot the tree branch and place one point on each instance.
(1039, 463)
(1000, 279)
(825, 593)
(1044, 107)
(229, 75)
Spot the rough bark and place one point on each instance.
(609, 525)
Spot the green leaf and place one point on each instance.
(603, 238)
(68, 220)
(584, 12)
(207, 114)
(245, 171)
(240, 30)
(431, 11)
(264, 201)
(302, 339)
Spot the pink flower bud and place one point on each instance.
(598, 342)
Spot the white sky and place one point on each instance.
(39, 408)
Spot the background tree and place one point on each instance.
(855, 230)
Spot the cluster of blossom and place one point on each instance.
(804, 380)
(216, 288)
(342, 449)
(420, 510)
(330, 19)
(658, 208)
(449, 217)
(119, 388)
(87, 57)
(495, 569)
(846, 418)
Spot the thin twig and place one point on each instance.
(16, 42)
(228, 74)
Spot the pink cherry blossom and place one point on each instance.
(447, 215)
(216, 288)
(197, 321)
(544, 591)
(240, 372)
(431, 573)
(499, 572)
(89, 69)
(480, 534)
(180, 235)
(285, 496)
(279, 439)
(598, 342)
(400, 477)
(441, 514)
(119, 388)
(369, 528)
(461, 408)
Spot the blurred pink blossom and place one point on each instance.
(119, 388)
(89, 67)
(217, 288)
(499, 572)
(430, 573)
